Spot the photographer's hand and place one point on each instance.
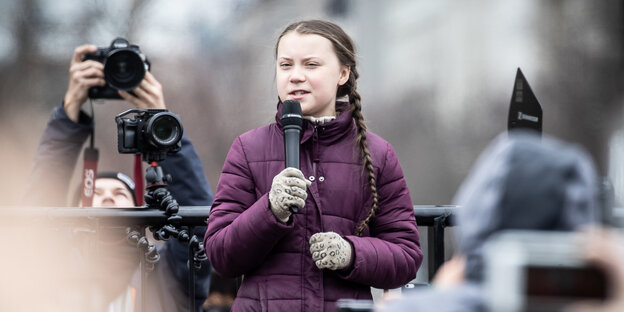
(149, 94)
(451, 273)
(82, 76)
(603, 247)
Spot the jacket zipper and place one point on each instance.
(315, 160)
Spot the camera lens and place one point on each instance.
(164, 130)
(124, 69)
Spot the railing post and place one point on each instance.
(439, 223)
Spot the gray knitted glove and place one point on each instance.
(330, 251)
(288, 189)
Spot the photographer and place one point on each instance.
(57, 154)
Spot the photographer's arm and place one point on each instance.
(64, 135)
(189, 185)
(56, 156)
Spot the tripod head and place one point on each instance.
(157, 195)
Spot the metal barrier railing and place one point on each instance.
(433, 216)
(437, 218)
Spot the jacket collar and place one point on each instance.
(328, 132)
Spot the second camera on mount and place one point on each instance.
(154, 133)
(124, 68)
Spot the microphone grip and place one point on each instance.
(291, 148)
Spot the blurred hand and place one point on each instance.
(149, 94)
(451, 273)
(82, 76)
(288, 189)
(330, 251)
(604, 248)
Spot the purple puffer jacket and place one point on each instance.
(245, 238)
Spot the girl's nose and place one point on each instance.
(297, 75)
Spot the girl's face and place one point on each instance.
(308, 71)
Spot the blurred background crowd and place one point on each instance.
(440, 71)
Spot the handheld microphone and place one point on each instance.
(291, 125)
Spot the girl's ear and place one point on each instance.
(344, 75)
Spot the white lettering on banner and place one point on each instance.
(522, 116)
(88, 182)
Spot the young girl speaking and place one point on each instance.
(355, 227)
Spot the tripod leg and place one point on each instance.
(142, 265)
(191, 266)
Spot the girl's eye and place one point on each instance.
(284, 65)
(312, 64)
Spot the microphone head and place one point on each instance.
(291, 114)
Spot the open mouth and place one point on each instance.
(298, 92)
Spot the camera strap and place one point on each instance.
(138, 180)
(89, 172)
(89, 168)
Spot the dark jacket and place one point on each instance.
(56, 157)
(245, 238)
(522, 182)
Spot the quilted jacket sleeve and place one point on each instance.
(391, 256)
(55, 159)
(242, 230)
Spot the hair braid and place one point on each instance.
(367, 161)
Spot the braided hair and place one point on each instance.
(344, 48)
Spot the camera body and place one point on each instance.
(124, 68)
(153, 133)
(539, 271)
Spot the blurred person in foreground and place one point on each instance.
(107, 252)
(605, 248)
(522, 182)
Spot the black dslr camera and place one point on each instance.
(124, 68)
(154, 133)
